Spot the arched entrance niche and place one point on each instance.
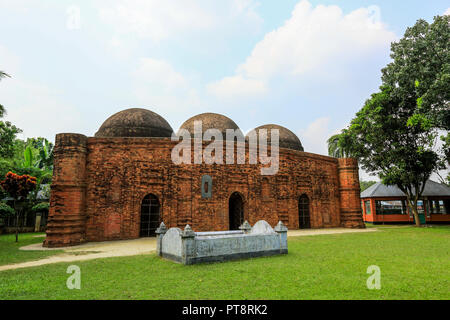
(235, 211)
(150, 217)
(304, 219)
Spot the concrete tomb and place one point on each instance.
(189, 247)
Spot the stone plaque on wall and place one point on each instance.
(206, 187)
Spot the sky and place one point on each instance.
(306, 65)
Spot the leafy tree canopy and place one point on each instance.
(419, 74)
(5, 209)
(18, 186)
(8, 133)
(41, 207)
(395, 134)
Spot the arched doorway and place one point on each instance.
(236, 211)
(303, 212)
(150, 219)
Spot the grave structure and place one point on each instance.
(189, 247)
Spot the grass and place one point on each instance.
(414, 263)
(10, 253)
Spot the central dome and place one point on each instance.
(135, 122)
(210, 121)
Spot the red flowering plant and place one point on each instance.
(18, 187)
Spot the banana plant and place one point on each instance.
(45, 155)
(28, 158)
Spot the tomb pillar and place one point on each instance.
(187, 245)
(160, 232)
(282, 230)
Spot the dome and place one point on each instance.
(288, 139)
(135, 122)
(210, 121)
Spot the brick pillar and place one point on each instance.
(349, 194)
(67, 216)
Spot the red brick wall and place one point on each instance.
(120, 172)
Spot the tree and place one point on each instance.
(41, 207)
(3, 75)
(5, 210)
(419, 74)
(381, 137)
(395, 133)
(32, 157)
(8, 133)
(18, 187)
(366, 184)
(44, 156)
(337, 147)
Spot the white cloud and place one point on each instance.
(314, 137)
(35, 108)
(236, 86)
(447, 12)
(160, 87)
(10, 62)
(246, 10)
(20, 6)
(38, 110)
(313, 41)
(157, 20)
(159, 72)
(154, 19)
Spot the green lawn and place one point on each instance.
(414, 262)
(10, 253)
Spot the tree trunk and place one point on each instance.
(17, 221)
(413, 206)
(416, 215)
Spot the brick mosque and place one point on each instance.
(121, 183)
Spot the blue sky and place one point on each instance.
(306, 65)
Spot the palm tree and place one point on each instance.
(336, 148)
(3, 75)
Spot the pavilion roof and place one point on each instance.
(432, 188)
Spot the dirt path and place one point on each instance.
(89, 251)
(121, 248)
